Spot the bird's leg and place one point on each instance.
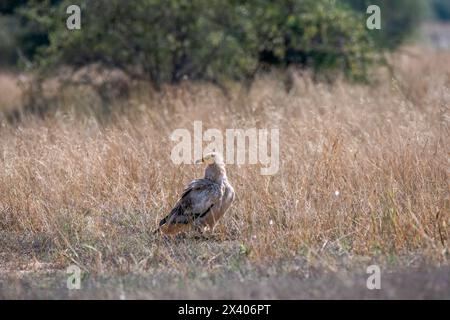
(198, 229)
(207, 232)
(203, 231)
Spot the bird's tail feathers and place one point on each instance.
(161, 223)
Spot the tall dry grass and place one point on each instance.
(364, 170)
(10, 91)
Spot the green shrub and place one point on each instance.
(399, 19)
(168, 40)
(320, 34)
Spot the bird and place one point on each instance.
(203, 202)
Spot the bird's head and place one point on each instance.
(211, 158)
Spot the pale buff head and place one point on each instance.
(215, 169)
(211, 158)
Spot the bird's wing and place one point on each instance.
(196, 200)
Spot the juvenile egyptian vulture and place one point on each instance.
(203, 202)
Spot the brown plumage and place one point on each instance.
(203, 202)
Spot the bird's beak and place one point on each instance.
(199, 161)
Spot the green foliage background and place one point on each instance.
(400, 18)
(169, 40)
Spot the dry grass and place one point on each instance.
(10, 92)
(74, 189)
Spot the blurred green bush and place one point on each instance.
(169, 40)
(399, 19)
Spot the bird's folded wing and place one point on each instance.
(197, 200)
